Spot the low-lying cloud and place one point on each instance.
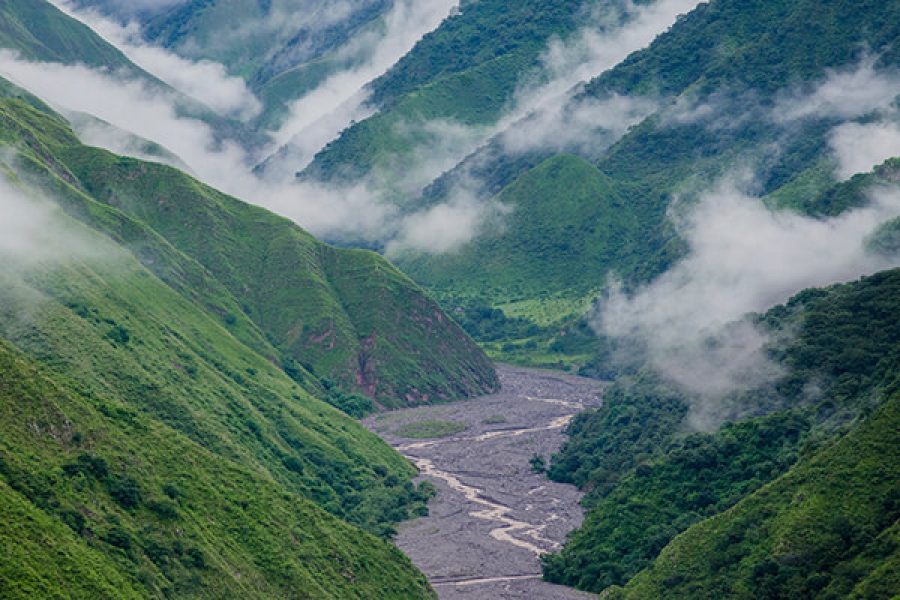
(743, 258)
(448, 226)
(319, 116)
(858, 147)
(33, 232)
(845, 93)
(204, 80)
(337, 212)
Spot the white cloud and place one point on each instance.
(33, 232)
(132, 106)
(743, 258)
(584, 123)
(859, 147)
(844, 93)
(203, 80)
(448, 226)
(355, 211)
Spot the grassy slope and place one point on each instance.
(100, 500)
(648, 482)
(269, 281)
(39, 31)
(592, 215)
(177, 352)
(312, 301)
(156, 380)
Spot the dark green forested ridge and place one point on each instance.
(826, 529)
(467, 71)
(649, 480)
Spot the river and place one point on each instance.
(493, 517)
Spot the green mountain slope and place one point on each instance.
(153, 430)
(735, 59)
(649, 480)
(39, 31)
(102, 501)
(827, 529)
(563, 210)
(467, 71)
(313, 302)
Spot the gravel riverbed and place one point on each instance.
(492, 517)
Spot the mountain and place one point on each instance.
(828, 528)
(657, 129)
(103, 500)
(175, 441)
(651, 479)
(273, 36)
(40, 31)
(466, 72)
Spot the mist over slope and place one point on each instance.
(669, 193)
(152, 431)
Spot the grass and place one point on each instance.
(421, 430)
(494, 420)
(303, 303)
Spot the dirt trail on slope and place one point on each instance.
(493, 518)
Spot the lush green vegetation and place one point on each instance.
(466, 70)
(826, 529)
(161, 439)
(430, 429)
(579, 215)
(275, 284)
(100, 500)
(649, 479)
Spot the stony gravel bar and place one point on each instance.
(493, 517)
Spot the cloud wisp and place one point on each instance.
(743, 258)
(319, 116)
(336, 212)
(34, 234)
(544, 114)
(204, 80)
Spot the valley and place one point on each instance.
(493, 516)
(260, 259)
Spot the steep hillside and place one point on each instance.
(724, 77)
(273, 36)
(649, 481)
(826, 529)
(313, 302)
(100, 500)
(39, 31)
(466, 71)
